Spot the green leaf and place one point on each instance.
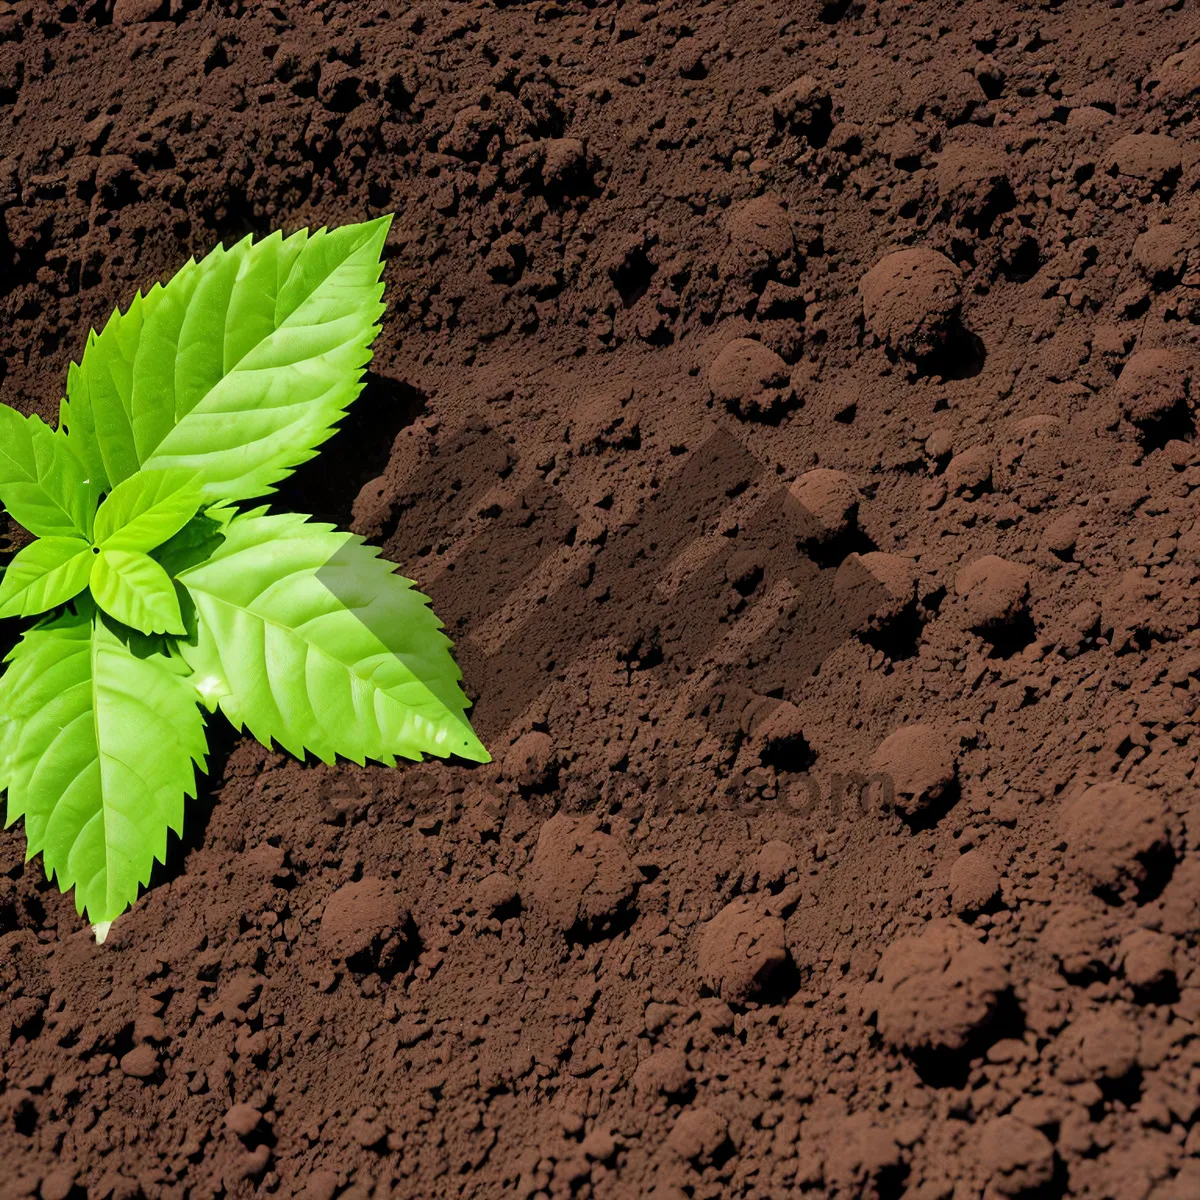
(42, 482)
(97, 415)
(237, 369)
(133, 589)
(96, 750)
(192, 545)
(307, 637)
(45, 574)
(145, 510)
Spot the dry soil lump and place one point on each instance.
(824, 505)
(970, 471)
(873, 589)
(741, 950)
(1079, 939)
(129, 12)
(992, 590)
(1017, 1157)
(496, 892)
(771, 866)
(1161, 252)
(698, 1134)
(937, 987)
(1148, 156)
(761, 238)
(974, 882)
(529, 762)
(606, 420)
(1177, 77)
(1147, 958)
(919, 761)
(243, 1119)
(909, 299)
(1114, 832)
(750, 379)
(971, 176)
(141, 1062)
(664, 1072)
(803, 106)
(1154, 384)
(563, 159)
(777, 735)
(358, 913)
(1062, 534)
(580, 875)
(1097, 1045)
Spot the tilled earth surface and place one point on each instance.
(772, 398)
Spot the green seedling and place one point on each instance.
(161, 594)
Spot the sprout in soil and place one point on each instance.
(161, 593)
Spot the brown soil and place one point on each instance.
(652, 267)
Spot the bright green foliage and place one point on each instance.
(206, 392)
(45, 574)
(134, 589)
(145, 510)
(42, 482)
(194, 542)
(96, 751)
(239, 368)
(307, 637)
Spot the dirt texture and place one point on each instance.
(790, 410)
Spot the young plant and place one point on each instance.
(162, 595)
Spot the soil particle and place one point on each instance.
(358, 914)
(58, 1183)
(938, 988)
(774, 865)
(1146, 156)
(970, 471)
(761, 241)
(580, 875)
(824, 504)
(993, 591)
(740, 951)
(803, 106)
(750, 379)
(1177, 77)
(320, 1185)
(1162, 253)
(529, 762)
(1097, 1046)
(697, 1135)
(1080, 939)
(495, 892)
(130, 12)
(973, 175)
(141, 1062)
(865, 1160)
(1147, 959)
(1154, 384)
(1179, 905)
(1116, 834)
(242, 1119)
(909, 297)
(1062, 534)
(665, 1071)
(563, 159)
(974, 882)
(875, 588)
(919, 762)
(1017, 1158)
